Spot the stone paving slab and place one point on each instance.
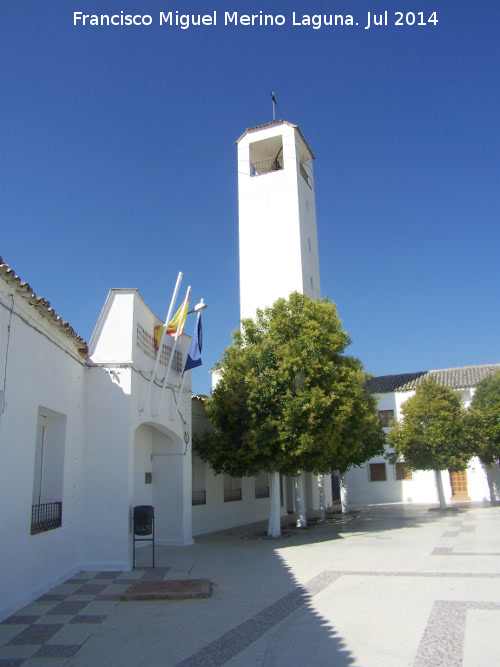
(175, 589)
(389, 586)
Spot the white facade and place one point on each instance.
(480, 483)
(278, 242)
(41, 367)
(76, 443)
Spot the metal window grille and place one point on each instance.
(230, 495)
(199, 498)
(262, 492)
(46, 516)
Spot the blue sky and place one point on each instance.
(118, 164)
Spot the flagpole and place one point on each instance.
(158, 354)
(184, 374)
(174, 346)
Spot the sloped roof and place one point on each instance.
(42, 306)
(277, 122)
(456, 378)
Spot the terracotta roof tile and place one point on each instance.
(456, 378)
(42, 306)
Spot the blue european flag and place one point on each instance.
(194, 355)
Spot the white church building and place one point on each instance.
(88, 432)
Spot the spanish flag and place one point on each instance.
(176, 324)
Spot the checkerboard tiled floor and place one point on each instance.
(50, 630)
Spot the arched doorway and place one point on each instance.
(161, 472)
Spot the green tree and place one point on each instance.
(362, 439)
(485, 413)
(434, 433)
(285, 395)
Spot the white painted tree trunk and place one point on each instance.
(440, 490)
(274, 525)
(300, 508)
(492, 485)
(321, 489)
(344, 500)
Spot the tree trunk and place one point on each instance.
(343, 493)
(490, 478)
(440, 490)
(300, 508)
(321, 489)
(274, 525)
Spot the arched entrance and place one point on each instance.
(161, 469)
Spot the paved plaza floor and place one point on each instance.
(389, 585)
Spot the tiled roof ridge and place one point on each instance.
(42, 306)
(457, 377)
(461, 368)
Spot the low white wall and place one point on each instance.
(218, 515)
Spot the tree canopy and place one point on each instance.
(434, 433)
(288, 398)
(485, 413)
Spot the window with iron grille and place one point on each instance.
(199, 485)
(46, 504)
(402, 472)
(377, 472)
(262, 485)
(232, 489)
(385, 417)
(199, 498)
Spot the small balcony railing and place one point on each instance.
(262, 492)
(46, 516)
(199, 498)
(230, 495)
(266, 166)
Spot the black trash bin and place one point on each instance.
(144, 527)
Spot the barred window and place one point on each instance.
(232, 489)
(47, 493)
(262, 485)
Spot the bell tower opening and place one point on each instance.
(266, 156)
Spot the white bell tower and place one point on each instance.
(278, 240)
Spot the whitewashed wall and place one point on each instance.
(106, 442)
(483, 483)
(145, 437)
(43, 374)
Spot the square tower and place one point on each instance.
(278, 240)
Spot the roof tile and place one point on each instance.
(456, 378)
(41, 305)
